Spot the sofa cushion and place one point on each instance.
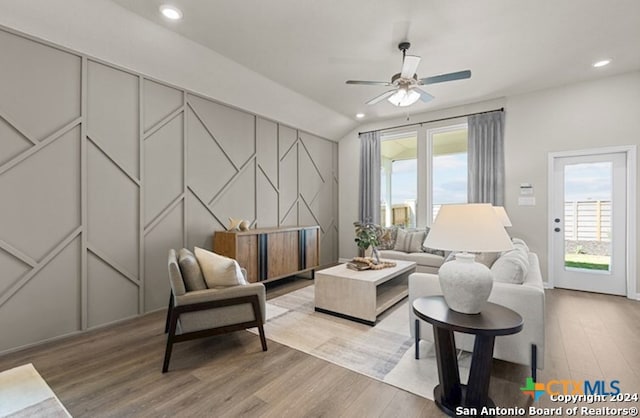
(429, 250)
(191, 273)
(421, 259)
(219, 271)
(517, 242)
(511, 267)
(409, 241)
(386, 237)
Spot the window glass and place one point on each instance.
(449, 168)
(399, 180)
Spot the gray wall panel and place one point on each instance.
(233, 130)
(208, 167)
(200, 223)
(13, 143)
(159, 102)
(12, 270)
(42, 84)
(48, 305)
(104, 180)
(237, 200)
(165, 235)
(104, 280)
(288, 186)
(267, 202)
(41, 197)
(112, 118)
(163, 178)
(267, 148)
(112, 203)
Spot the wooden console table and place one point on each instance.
(271, 253)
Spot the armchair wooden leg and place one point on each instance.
(169, 309)
(257, 314)
(263, 340)
(170, 336)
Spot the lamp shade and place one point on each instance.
(502, 214)
(473, 227)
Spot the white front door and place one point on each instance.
(588, 222)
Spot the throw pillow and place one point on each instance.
(386, 237)
(191, 273)
(483, 258)
(518, 242)
(219, 271)
(431, 250)
(409, 242)
(487, 258)
(511, 267)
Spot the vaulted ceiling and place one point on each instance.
(511, 46)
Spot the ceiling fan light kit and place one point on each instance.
(406, 82)
(404, 97)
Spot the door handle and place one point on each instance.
(557, 220)
(557, 229)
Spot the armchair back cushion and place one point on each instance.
(219, 271)
(175, 276)
(191, 273)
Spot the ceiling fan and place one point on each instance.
(406, 83)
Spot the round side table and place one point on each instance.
(494, 320)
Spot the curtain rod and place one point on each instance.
(431, 121)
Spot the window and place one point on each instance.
(399, 179)
(420, 171)
(448, 167)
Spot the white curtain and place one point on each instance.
(369, 187)
(486, 158)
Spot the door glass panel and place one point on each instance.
(587, 216)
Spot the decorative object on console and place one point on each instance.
(244, 225)
(234, 224)
(466, 284)
(367, 236)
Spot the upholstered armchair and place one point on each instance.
(196, 311)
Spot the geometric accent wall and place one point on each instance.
(103, 170)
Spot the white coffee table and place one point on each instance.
(361, 295)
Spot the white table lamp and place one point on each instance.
(476, 227)
(502, 214)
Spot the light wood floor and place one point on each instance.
(115, 371)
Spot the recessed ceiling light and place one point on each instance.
(170, 12)
(359, 115)
(601, 63)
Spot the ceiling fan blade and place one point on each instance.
(409, 66)
(460, 75)
(381, 97)
(424, 96)
(369, 83)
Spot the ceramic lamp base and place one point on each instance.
(466, 285)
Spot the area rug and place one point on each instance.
(24, 393)
(384, 352)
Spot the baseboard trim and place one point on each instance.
(76, 333)
(634, 297)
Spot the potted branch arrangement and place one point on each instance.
(367, 237)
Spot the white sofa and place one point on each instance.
(425, 262)
(525, 347)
